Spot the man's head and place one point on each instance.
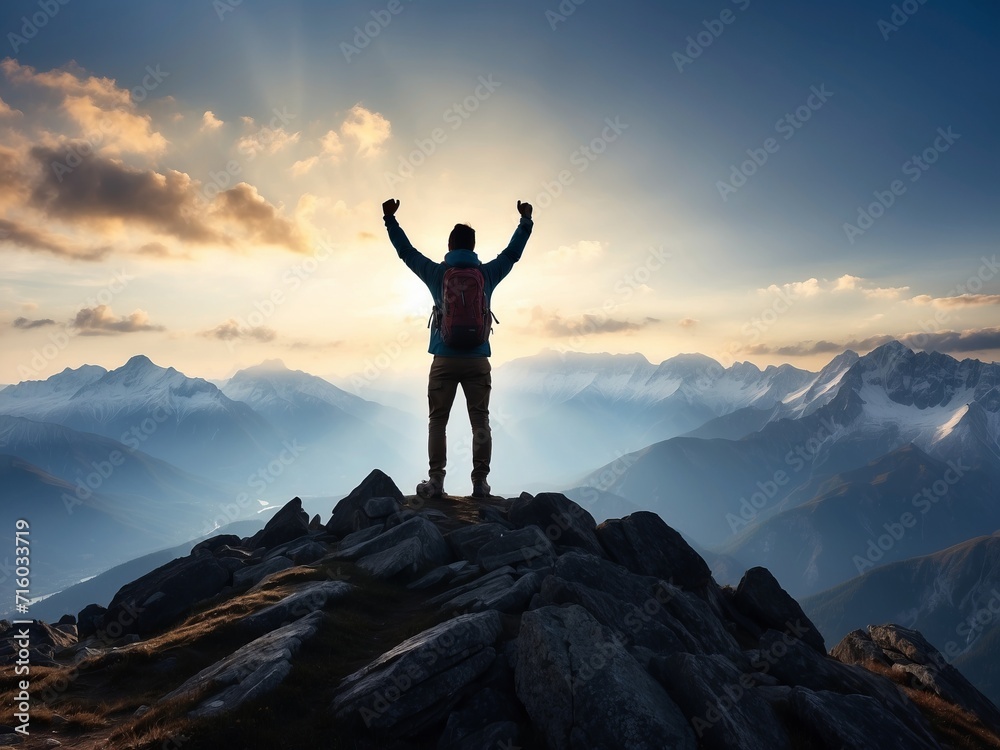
(462, 237)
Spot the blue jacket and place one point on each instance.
(432, 274)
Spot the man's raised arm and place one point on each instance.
(412, 257)
(504, 262)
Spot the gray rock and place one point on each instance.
(720, 701)
(488, 719)
(644, 544)
(478, 582)
(583, 690)
(89, 620)
(380, 507)
(761, 598)
(415, 684)
(349, 514)
(256, 573)
(289, 523)
(215, 543)
(853, 721)
(306, 598)
(362, 535)
(434, 549)
(250, 671)
(857, 647)
(929, 670)
(406, 561)
(514, 547)
(466, 541)
(161, 597)
(794, 663)
(562, 521)
(441, 574)
(300, 551)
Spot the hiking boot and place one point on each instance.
(480, 488)
(430, 488)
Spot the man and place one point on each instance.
(452, 366)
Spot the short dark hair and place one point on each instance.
(462, 237)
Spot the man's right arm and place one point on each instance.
(413, 258)
(504, 262)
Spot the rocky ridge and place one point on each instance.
(516, 623)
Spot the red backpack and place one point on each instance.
(464, 318)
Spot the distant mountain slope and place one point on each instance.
(186, 421)
(951, 596)
(886, 399)
(903, 504)
(71, 538)
(101, 588)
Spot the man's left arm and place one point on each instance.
(503, 263)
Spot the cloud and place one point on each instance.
(210, 122)
(231, 330)
(159, 250)
(100, 190)
(259, 219)
(25, 324)
(368, 129)
(947, 342)
(807, 288)
(553, 324)
(101, 321)
(37, 240)
(104, 112)
(688, 322)
(303, 165)
(264, 140)
(7, 111)
(963, 300)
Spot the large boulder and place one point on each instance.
(514, 547)
(920, 665)
(90, 620)
(349, 514)
(159, 598)
(853, 721)
(250, 671)
(408, 550)
(415, 684)
(564, 522)
(304, 599)
(760, 597)
(582, 689)
(289, 523)
(721, 702)
(644, 544)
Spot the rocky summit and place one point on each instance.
(456, 624)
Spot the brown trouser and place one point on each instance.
(445, 375)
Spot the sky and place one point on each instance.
(201, 181)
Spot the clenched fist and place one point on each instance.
(524, 209)
(390, 206)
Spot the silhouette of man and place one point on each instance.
(452, 367)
